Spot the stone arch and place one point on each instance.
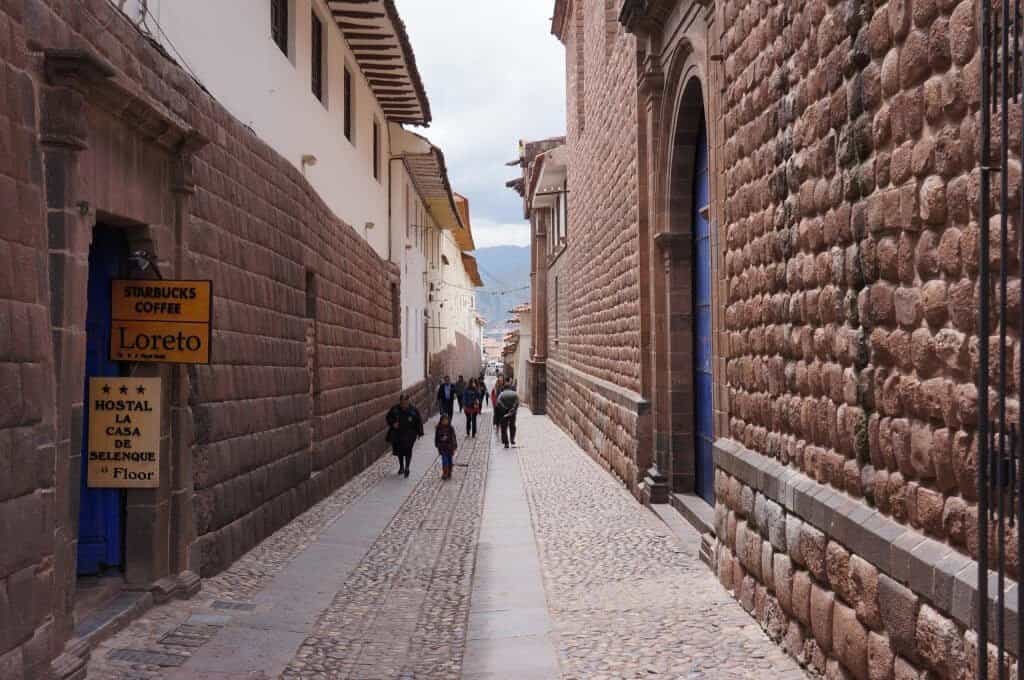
(684, 114)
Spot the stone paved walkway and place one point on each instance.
(531, 563)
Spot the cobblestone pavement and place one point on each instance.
(403, 613)
(238, 583)
(628, 599)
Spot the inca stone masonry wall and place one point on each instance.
(261, 442)
(598, 285)
(845, 200)
(850, 167)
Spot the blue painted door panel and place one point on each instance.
(100, 513)
(702, 353)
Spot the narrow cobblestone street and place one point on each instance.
(531, 563)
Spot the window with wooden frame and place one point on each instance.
(279, 24)
(563, 213)
(408, 215)
(317, 46)
(376, 149)
(348, 105)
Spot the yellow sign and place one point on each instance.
(161, 321)
(162, 300)
(160, 342)
(124, 432)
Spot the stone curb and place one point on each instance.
(933, 570)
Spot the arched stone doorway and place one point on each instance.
(690, 300)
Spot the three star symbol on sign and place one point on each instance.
(123, 389)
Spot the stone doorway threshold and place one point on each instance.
(104, 605)
(692, 520)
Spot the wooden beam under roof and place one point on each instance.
(357, 14)
(369, 36)
(347, 26)
(378, 40)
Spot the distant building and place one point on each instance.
(453, 329)
(545, 191)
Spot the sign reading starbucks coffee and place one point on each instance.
(161, 321)
(124, 433)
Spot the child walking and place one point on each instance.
(444, 440)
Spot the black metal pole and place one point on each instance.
(983, 329)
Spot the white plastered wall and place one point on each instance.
(227, 46)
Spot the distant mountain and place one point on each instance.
(503, 269)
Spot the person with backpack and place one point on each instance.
(405, 426)
(473, 402)
(446, 443)
(506, 406)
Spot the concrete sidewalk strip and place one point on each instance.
(509, 627)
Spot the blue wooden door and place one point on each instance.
(100, 512)
(702, 355)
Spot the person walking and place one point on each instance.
(507, 405)
(446, 397)
(499, 384)
(446, 443)
(460, 387)
(405, 426)
(472, 399)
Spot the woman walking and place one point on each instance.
(472, 399)
(405, 426)
(446, 443)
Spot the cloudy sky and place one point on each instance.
(494, 75)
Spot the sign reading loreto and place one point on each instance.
(124, 432)
(161, 321)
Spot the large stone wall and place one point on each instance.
(598, 305)
(276, 422)
(852, 250)
(850, 167)
(27, 418)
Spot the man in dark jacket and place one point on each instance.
(505, 407)
(446, 396)
(460, 388)
(405, 426)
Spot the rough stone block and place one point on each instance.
(822, 604)
(802, 597)
(880, 657)
(904, 670)
(837, 566)
(776, 519)
(793, 643)
(767, 566)
(939, 644)
(865, 586)
(748, 588)
(898, 607)
(850, 640)
(782, 571)
(812, 552)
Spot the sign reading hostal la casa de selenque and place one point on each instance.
(124, 432)
(161, 321)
